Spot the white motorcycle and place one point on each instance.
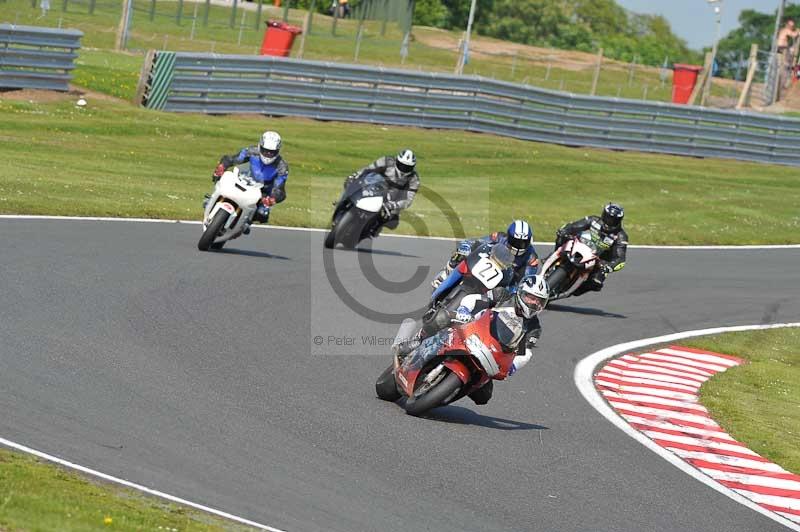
(232, 205)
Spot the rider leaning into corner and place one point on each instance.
(519, 240)
(518, 306)
(401, 176)
(267, 167)
(613, 244)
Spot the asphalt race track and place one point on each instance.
(124, 349)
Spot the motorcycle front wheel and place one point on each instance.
(555, 280)
(213, 230)
(436, 396)
(348, 230)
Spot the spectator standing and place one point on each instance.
(788, 31)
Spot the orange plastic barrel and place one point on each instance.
(684, 78)
(278, 38)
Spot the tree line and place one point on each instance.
(584, 25)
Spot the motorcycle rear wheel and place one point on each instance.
(436, 396)
(386, 387)
(213, 230)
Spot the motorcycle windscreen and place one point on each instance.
(507, 328)
(367, 185)
(405, 333)
(491, 270)
(591, 237)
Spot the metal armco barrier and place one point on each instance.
(234, 84)
(37, 58)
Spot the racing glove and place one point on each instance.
(463, 315)
(387, 210)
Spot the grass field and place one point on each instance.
(759, 403)
(113, 159)
(36, 496)
(560, 73)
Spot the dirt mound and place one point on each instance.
(38, 95)
(47, 96)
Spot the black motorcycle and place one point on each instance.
(358, 214)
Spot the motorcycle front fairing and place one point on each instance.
(366, 186)
(238, 194)
(411, 367)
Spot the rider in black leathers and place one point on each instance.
(612, 236)
(403, 180)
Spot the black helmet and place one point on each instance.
(612, 217)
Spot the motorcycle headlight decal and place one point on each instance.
(482, 354)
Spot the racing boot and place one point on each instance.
(392, 222)
(261, 215)
(482, 395)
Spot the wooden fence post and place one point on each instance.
(701, 79)
(144, 75)
(752, 66)
(597, 72)
(306, 29)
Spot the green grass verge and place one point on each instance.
(163, 32)
(117, 160)
(758, 403)
(36, 496)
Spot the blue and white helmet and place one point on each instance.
(519, 236)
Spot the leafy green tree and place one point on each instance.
(431, 13)
(539, 22)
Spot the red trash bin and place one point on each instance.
(684, 78)
(278, 38)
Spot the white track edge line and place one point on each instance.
(584, 373)
(319, 230)
(128, 484)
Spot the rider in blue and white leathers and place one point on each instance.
(518, 238)
(266, 167)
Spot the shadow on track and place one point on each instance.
(585, 310)
(250, 253)
(370, 251)
(464, 416)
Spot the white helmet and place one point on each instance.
(532, 296)
(405, 162)
(269, 147)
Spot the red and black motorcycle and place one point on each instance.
(452, 363)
